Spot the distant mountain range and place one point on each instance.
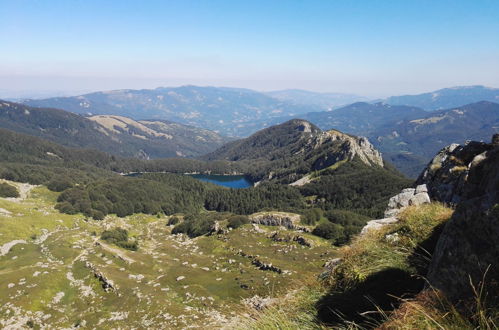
(422, 137)
(389, 123)
(447, 98)
(229, 111)
(363, 118)
(409, 136)
(326, 101)
(114, 134)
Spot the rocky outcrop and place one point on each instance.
(447, 173)
(352, 147)
(407, 197)
(377, 224)
(277, 237)
(258, 303)
(107, 284)
(264, 266)
(467, 249)
(287, 220)
(216, 229)
(4, 249)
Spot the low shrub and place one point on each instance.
(173, 221)
(328, 230)
(7, 190)
(194, 225)
(119, 237)
(237, 221)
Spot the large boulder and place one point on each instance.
(468, 246)
(447, 173)
(408, 196)
(287, 220)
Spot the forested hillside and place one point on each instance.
(120, 136)
(338, 172)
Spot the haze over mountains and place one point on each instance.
(405, 128)
(327, 101)
(447, 97)
(230, 111)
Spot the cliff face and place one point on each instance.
(466, 176)
(352, 146)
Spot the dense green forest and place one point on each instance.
(356, 187)
(89, 182)
(156, 193)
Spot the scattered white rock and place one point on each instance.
(377, 224)
(180, 278)
(4, 249)
(58, 297)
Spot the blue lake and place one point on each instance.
(231, 181)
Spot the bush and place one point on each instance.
(6, 190)
(328, 230)
(66, 207)
(237, 221)
(133, 246)
(311, 216)
(194, 225)
(98, 215)
(59, 184)
(119, 237)
(173, 221)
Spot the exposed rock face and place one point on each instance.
(377, 224)
(107, 284)
(446, 175)
(264, 266)
(4, 249)
(353, 146)
(288, 220)
(408, 196)
(468, 244)
(258, 303)
(277, 237)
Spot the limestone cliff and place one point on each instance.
(352, 146)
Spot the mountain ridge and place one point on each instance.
(123, 137)
(446, 98)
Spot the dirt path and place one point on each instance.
(118, 252)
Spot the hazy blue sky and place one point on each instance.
(374, 48)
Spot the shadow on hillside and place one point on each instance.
(381, 291)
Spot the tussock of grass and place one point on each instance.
(431, 310)
(381, 267)
(391, 247)
(295, 311)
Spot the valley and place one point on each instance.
(60, 274)
(249, 165)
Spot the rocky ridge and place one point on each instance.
(353, 146)
(466, 254)
(467, 250)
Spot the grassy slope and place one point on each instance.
(50, 277)
(373, 268)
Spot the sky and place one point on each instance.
(371, 48)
